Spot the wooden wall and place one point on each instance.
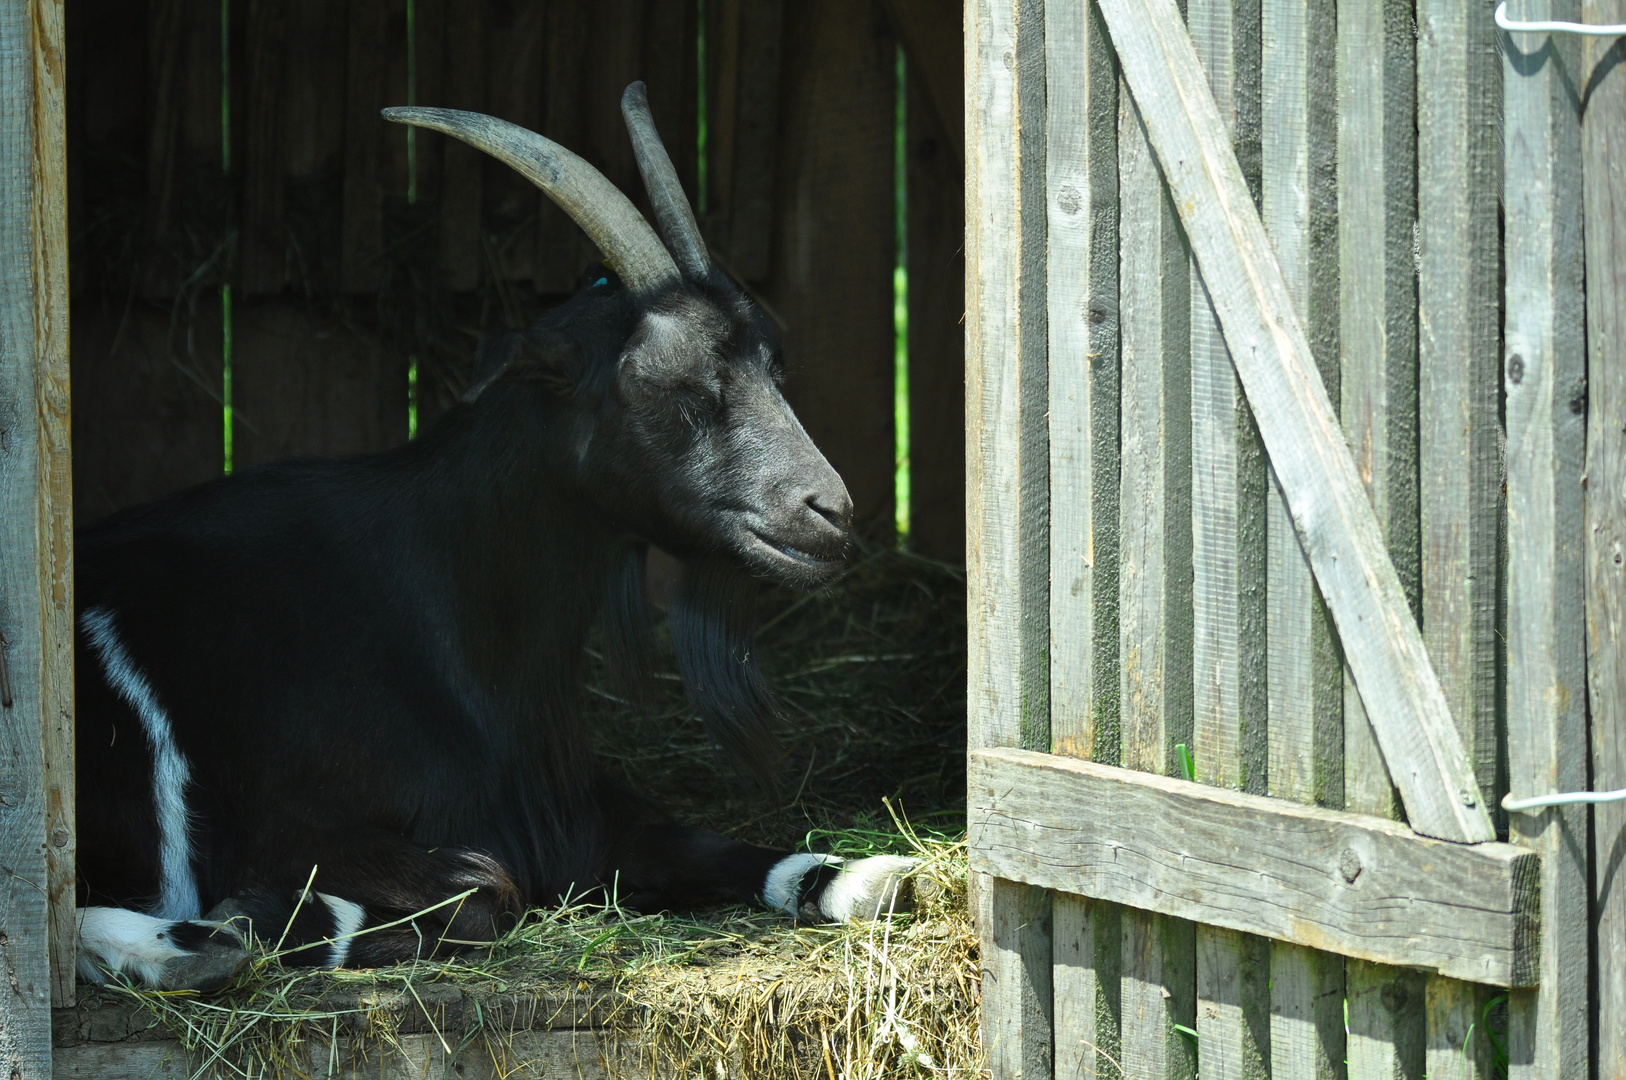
(349, 252)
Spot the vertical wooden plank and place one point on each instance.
(1602, 127)
(1377, 216)
(1386, 1022)
(936, 263)
(312, 144)
(1158, 997)
(27, 381)
(834, 246)
(363, 232)
(1228, 569)
(1459, 179)
(670, 67)
(1087, 989)
(1081, 201)
(50, 289)
(1228, 463)
(1456, 1044)
(1544, 375)
(1305, 675)
(461, 164)
(754, 135)
(1005, 405)
(262, 240)
(1233, 1004)
(1082, 207)
(165, 59)
(1158, 957)
(561, 250)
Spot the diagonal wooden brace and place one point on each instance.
(1335, 522)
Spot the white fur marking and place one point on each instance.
(862, 887)
(347, 919)
(780, 892)
(126, 941)
(178, 889)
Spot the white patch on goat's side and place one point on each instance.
(780, 891)
(865, 888)
(177, 889)
(347, 919)
(127, 941)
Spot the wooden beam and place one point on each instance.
(931, 32)
(1544, 376)
(362, 265)
(55, 521)
(35, 541)
(1269, 347)
(1605, 195)
(1346, 883)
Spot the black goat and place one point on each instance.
(369, 666)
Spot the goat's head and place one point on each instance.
(678, 429)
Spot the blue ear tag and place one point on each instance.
(601, 281)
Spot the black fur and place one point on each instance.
(371, 664)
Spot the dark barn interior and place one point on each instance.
(262, 268)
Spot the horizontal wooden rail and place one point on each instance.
(1358, 886)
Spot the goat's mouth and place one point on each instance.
(794, 562)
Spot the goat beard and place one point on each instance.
(713, 624)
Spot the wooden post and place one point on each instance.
(1544, 372)
(1007, 559)
(1602, 128)
(36, 550)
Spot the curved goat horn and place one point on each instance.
(672, 211)
(604, 213)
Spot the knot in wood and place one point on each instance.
(1349, 865)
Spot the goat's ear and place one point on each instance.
(533, 356)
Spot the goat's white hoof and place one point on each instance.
(867, 889)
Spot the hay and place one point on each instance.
(872, 671)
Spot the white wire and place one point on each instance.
(1568, 798)
(1588, 29)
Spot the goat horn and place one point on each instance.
(673, 214)
(602, 210)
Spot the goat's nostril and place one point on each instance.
(837, 510)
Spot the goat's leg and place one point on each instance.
(165, 954)
(362, 885)
(664, 865)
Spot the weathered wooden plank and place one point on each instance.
(1602, 128)
(1377, 216)
(32, 586)
(51, 327)
(1360, 886)
(1300, 217)
(1272, 355)
(1457, 1046)
(1458, 182)
(1087, 989)
(165, 79)
(936, 263)
(1155, 472)
(1233, 1004)
(1305, 676)
(1015, 923)
(1082, 206)
(312, 150)
(1544, 374)
(1229, 480)
(461, 164)
(1158, 997)
(1386, 1021)
(363, 231)
(1228, 488)
(526, 1054)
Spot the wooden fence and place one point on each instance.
(1296, 457)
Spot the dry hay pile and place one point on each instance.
(872, 674)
